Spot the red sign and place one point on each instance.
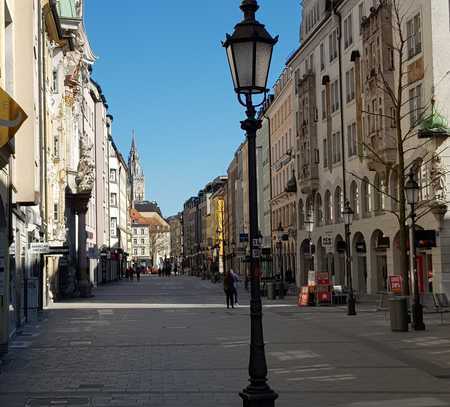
(324, 297)
(323, 278)
(395, 284)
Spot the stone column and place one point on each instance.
(80, 202)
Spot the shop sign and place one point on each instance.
(323, 278)
(425, 239)
(327, 242)
(256, 253)
(243, 237)
(39, 248)
(395, 284)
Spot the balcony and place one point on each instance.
(70, 14)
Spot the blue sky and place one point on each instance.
(165, 74)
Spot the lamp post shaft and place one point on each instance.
(351, 306)
(257, 393)
(417, 310)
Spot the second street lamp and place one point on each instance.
(348, 219)
(249, 51)
(412, 197)
(280, 234)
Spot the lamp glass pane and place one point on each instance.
(263, 56)
(243, 53)
(232, 65)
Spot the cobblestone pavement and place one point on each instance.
(169, 342)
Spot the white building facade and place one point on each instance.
(348, 126)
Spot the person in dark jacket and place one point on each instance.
(228, 283)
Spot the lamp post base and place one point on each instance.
(417, 317)
(258, 397)
(351, 305)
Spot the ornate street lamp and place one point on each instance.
(348, 219)
(412, 197)
(249, 51)
(280, 234)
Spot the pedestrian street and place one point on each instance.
(170, 341)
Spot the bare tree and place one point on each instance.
(391, 110)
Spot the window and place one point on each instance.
(332, 42)
(324, 104)
(360, 15)
(325, 153)
(135, 241)
(350, 85)
(335, 96)
(134, 231)
(351, 140)
(338, 204)
(348, 31)
(366, 197)
(135, 252)
(113, 199)
(415, 105)
(142, 241)
(414, 35)
(55, 81)
(55, 211)
(328, 208)
(336, 147)
(113, 227)
(56, 146)
(354, 198)
(142, 251)
(322, 57)
(142, 231)
(113, 175)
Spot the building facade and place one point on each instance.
(351, 126)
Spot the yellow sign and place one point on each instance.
(11, 117)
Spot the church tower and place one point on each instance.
(135, 175)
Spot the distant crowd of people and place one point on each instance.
(131, 271)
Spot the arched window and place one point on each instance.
(354, 199)
(338, 204)
(294, 214)
(319, 210)
(328, 208)
(377, 193)
(393, 190)
(301, 215)
(366, 197)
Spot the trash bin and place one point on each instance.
(270, 290)
(398, 309)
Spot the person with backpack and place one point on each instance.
(235, 282)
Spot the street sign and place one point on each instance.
(396, 283)
(257, 242)
(243, 237)
(327, 242)
(256, 253)
(39, 248)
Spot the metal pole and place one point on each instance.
(351, 306)
(258, 393)
(281, 292)
(417, 310)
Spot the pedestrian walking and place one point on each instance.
(228, 288)
(138, 274)
(235, 278)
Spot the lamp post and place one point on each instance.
(348, 219)
(309, 224)
(249, 51)
(280, 233)
(412, 197)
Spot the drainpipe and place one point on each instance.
(270, 177)
(341, 101)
